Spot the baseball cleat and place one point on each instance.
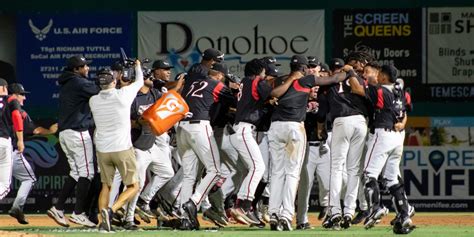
(346, 221)
(361, 216)
(190, 208)
(143, 216)
(285, 224)
(264, 210)
(332, 222)
(275, 223)
(144, 212)
(411, 213)
(58, 216)
(323, 213)
(376, 215)
(129, 225)
(406, 221)
(19, 215)
(81, 219)
(252, 217)
(240, 216)
(215, 218)
(161, 215)
(304, 226)
(260, 225)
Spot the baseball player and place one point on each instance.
(370, 74)
(200, 70)
(222, 118)
(261, 200)
(151, 152)
(75, 120)
(22, 170)
(287, 139)
(164, 171)
(12, 125)
(254, 91)
(385, 150)
(349, 112)
(196, 141)
(314, 161)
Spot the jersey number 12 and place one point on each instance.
(196, 89)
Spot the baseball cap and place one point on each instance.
(391, 71)
(214, 54)
(17, 88)
(270, 60)
(77, 61)
(324, 67)
(313, 61)
(272, 70)
(161, 64)
(299, 59)
(220, 67)
(3, 82)
(336, 63)
(105, 76)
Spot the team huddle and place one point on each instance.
(247, 151)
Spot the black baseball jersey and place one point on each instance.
(220, 115)
(323, 109)
(311, 124)
(28, 127)
(312, 119)
(197, 71)
(253, 93)
(292, 105)
(343, 103)
(6, 123)
(14, 116)
(142, 136)
(220, 112)
(389, 103)
(266, 120)
(201, 93)
(28, 124)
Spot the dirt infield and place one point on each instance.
(420, 219)
(439, 219)
(19, 234)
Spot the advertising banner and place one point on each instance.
(181, 37)
(439, 178)
(392, 36)
(46, 40)
(51, 168)
(450, 56)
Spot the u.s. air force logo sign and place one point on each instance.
(40, 34)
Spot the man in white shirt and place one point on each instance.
(111, 112)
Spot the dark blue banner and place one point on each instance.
(46, 40)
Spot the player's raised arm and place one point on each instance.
(281, 89)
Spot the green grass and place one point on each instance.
(453, 231)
